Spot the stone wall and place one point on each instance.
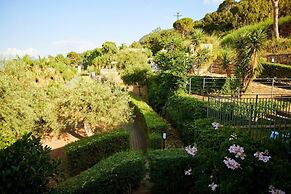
(279, 58)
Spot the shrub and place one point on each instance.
(155, 141)
(182, 108)
(120, 173)
(151, 120)
(276, 70)
(26, 166)
(86, 152)
(213, 84)
(167, 171)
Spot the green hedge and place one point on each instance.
(155, 141)
(167, 171)
(182, 108)
(212, 84)
(276, 70)
(88, 151)
(152, 121)
(120, 173)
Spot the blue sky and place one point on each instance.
(42, 27)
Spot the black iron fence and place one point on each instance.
(272, 114)
(218, 85)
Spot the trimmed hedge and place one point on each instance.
(182, 108)
(86, 152)
(167, 171)
(120, 173)
(152, 121)
(155, 141)
(276, 70)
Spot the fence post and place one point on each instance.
(208, 104)
(272, 90)
(250, 119)
(203, 86)
(190, 85)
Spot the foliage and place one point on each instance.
(75, 58)
(109, 48)
(155, 141)
(230, 39)
(167, 171)
(214, 145)
(136, 45)
(120, 173)
(136, 74)
(234, 15)
(184, 25)
(152, 121)
(283, 45)
(24, 110)
(128, 57)
(86, 152)
(93, 104)
(162, 86)
(89, 56)
(226, 59)
(275, 70)
(26, 166)
(182, 108)
(248, 50)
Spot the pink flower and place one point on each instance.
(213, 186)
(238, 151)
(262, 156)
(231, 163)
(188, 172)
(191, 150)
(273, 190)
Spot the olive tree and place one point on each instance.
(95, 105)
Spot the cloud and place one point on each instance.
(208, 2)
(13, 52)
(73, 45)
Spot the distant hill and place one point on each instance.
(233, 15)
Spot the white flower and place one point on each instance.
(213, 186)
(191, 150)
(188, 172)
(232, 137)
(215, 125)
(262, 156)
(238, 151)
(273, 190)
(231, 163)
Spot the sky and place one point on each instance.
(50, 27)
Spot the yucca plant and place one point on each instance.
(248, 48)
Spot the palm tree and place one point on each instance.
(275, 18)
(248, 52)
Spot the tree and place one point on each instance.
(184, 26)
(136, 74)
(136, 45)
(94, 105)
(74, 57)
(275, 18)
(225, 60)
(109, 48)
(248, 50)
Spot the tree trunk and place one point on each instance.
(275, 18)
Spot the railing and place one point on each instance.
(215, 85)
(252, 113)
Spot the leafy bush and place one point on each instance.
(276, 70)
(167, 171)
(152, 121)
(162, 86)
(155, 141)
(120, 173)
(26, 166)
(212, 84)
(182, 108)
(213, 146)
(86, 152)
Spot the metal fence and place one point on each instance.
(215, 85)
(252, 113)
